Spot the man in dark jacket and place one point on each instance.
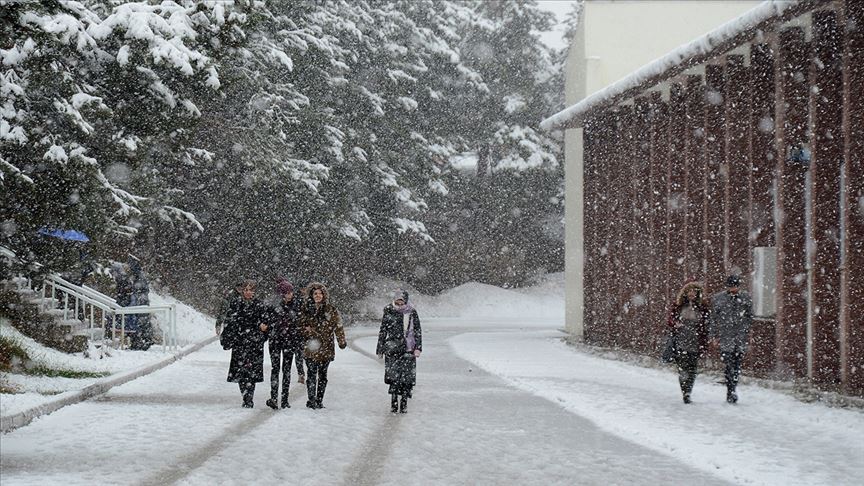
(729, 326)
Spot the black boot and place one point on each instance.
(272, 404)
(285, 403)
(403, 404)
(248, 390)
(731, 397)
(394, 407)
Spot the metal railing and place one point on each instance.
(80, 300)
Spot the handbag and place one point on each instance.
(669, 350)
(229, 336)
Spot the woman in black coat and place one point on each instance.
(246, 331)
(285, 342)
(400, 342)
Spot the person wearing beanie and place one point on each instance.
(400, 342)
(729, 327)
(286, 343)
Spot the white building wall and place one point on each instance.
(614, 38)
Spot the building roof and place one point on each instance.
(719, 40)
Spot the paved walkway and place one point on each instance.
(183, 425)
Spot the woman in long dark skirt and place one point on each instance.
(400, 342)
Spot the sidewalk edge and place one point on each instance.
(20, 419)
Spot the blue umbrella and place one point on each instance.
(71, 235)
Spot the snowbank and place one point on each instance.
(545, 300)
(192, 327)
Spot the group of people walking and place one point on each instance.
(304, 331)
(695, 323)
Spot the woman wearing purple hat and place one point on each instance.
(400, 342)
(286, 342)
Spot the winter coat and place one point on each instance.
(731, 319)
(400, 365)
(140, 295)
(247, 340)
(124, 289)
(319, 325)
(692, 336)
(284, 332)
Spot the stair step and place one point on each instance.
(39, 300)
(95, 334)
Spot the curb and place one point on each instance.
(20, 419)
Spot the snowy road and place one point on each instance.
(183, 425)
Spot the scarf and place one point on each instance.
(407, 325)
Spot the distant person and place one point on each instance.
(142, 338)
(245, 332)
(320, 322)
(122, 284)
(400, 341)
(286, 343)
(234, 294)
(123, 297)
(731, 319)
(688, 323)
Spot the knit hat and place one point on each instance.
(283, 287)
(733, 281)
(400, 294)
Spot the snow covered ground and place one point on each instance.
(192, 327)
(500, 400)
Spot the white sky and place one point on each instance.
(560, 8)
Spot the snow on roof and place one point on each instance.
(700, 49)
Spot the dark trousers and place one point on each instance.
(280, 360)
(732, 360)
(687, 365)
(298, 361)
(316, 380)
(248, 391)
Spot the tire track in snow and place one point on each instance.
(366, 469)
(187, 465)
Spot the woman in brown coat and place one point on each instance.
(320, 322)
